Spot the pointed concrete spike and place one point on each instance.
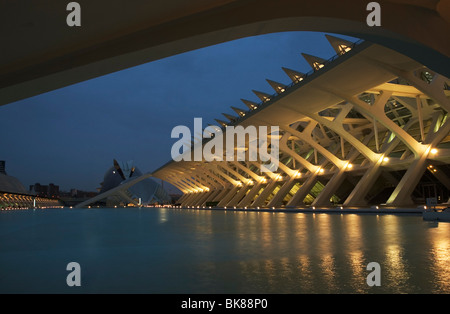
(207, 131)
(214, 127)
(250, 104)
(295, 76)
(315, 62)
(239, 111)
(263, 96)
(229, 117)
(210, 125)
(278, 87)
(222, 123)
(339, 45)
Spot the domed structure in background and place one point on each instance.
(117, 174)
(144, 192)
(13, 194)
(10, 184)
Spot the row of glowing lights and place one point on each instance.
(278, 177)
(245, 208)
(298, 174)
(203, 207)
(24, 208)
(234, 207)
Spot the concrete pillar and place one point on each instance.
(402, 193)
(298, 198)
(222, 194)
(213, 195)
(323, 199)
(182, 198)
(246, 201)
(356, 197)
(201, 200)
(277, 200)
(189, 199)
(227, 198)
(260, 200)
(239, 196)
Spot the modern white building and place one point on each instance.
(369, 126)
(124, 184)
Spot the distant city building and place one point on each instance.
(53, 190)
(81, 194)
(2, 167)
(50, 191)
(38, 189)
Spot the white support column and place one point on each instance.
(238, 176)
(186, 199)
(277, 200)
(222, 194)
(191, 184)
(197, 197)
(375, 131)
(356, 197)
(377, 111)
(305, 163)
(213, 195)
(306, 137)
(191, 199)
(419, 113)
(259, 182)
(287, 185)
(240, 195)
(323, 199)
(207, 181)
(182, 198)
(337, 126)
(227, 198)
(304, 189)
(215, 169)
(175, 180)
(247, 200)
(402, 193)
(260, 200)
(203, 199)
(255, 177)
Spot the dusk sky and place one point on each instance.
(70, 136)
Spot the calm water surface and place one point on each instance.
(158, 250)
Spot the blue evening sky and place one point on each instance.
(70, 136)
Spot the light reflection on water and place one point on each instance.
(160, 250)
(440, 254)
